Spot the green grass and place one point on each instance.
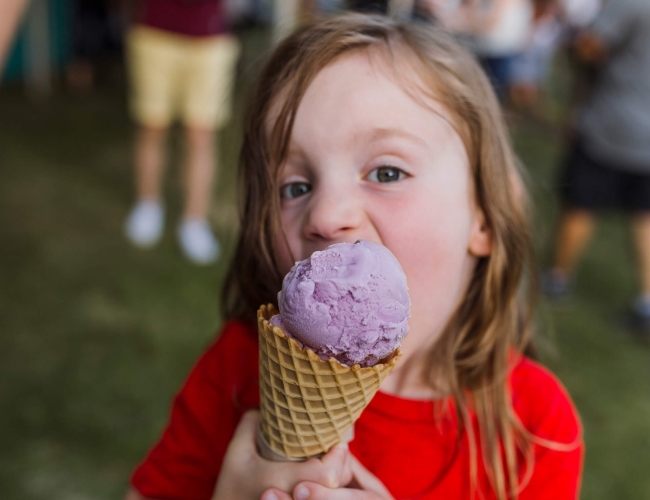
(96, 336)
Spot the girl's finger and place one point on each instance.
(273, 494)
(366, 480)
(332, 470)
(315, 491)
(337, 467)
(244, 439)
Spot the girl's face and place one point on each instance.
(366, 161)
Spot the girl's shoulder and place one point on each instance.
(542, 402)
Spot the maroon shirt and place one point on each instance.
(197, 18)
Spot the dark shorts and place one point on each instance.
(594, 185)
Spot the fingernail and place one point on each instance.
(343, 446)
(270, 496)
(301, 493)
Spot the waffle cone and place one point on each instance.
(308, 404)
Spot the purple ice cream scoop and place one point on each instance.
(349, 302)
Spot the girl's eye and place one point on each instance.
(386, 174)
(294, 190)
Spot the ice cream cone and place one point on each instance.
(308, 405)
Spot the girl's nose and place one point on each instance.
(333, 217)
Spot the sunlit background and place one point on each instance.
(96, 335)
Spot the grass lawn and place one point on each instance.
(96, 336)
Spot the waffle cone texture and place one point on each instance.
(308, 404)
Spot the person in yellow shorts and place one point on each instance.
(181, 61)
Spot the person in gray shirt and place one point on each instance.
(609, 162)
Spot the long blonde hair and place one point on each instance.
(494, 319)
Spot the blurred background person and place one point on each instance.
(531, 67)
(608, 166)
(555, 25)
(97, 35)
(580, 13)
(497, 31)
(11, 12)
(182, 59)
(502, 30)
(578, 16)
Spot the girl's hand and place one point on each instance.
(246, 475)
(364, 486)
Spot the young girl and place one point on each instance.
(368, 128)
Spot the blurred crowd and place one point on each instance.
(514, 39)
(182, 56)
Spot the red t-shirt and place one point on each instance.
(197, 18)
(406, 443)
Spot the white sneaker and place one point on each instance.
(197, 241)
(144, 225)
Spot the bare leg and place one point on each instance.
(637, 320)
(145, 223)
(195, 235)
(524, 96)
(200, 169)
(641, 226)
(149, 162)
(574, 231)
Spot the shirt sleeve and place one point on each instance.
(557, 431)
(614, 22)
(185, 463)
